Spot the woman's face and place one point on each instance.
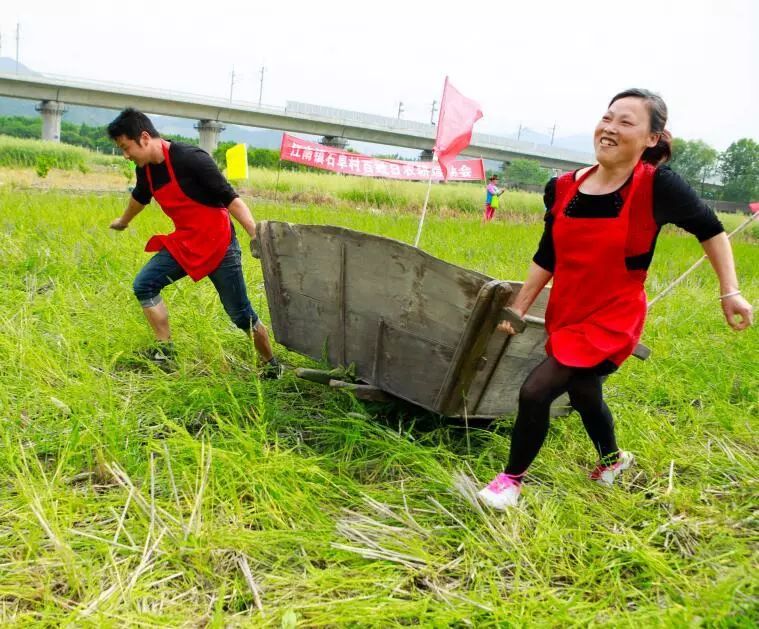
(624, 132)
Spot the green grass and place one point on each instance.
(381, 193)
(22, 153)
(131, 497)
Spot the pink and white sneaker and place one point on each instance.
(605, 474)
(502, 492)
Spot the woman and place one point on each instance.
(492, 201)
(601, 228)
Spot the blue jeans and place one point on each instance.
(162, 269)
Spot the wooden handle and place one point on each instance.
(641, 351)
(520, 324)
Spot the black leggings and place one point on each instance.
(547, 382)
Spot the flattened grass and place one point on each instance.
(134, 497)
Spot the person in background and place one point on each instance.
(492, 198)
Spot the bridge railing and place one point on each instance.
(136, 90)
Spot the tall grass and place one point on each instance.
(25, 153)
(395, 195)
(205, 497)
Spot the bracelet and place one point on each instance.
(732, 294)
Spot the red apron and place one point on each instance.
(597, 308)
(202, 233)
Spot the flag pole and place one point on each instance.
(426, 200)
(440, 121)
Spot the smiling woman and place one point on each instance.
(635, 117)
(602, 224)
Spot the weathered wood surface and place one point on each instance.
(412, 325)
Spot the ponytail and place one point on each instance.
(662, 152)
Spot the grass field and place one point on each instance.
(134, 497)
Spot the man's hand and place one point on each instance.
(255, 248)
(118, 224)
(738, 312)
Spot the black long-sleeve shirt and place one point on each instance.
(674, 202)
(197, 175)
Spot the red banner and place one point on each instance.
(338, 161)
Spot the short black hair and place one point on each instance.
(131, 123)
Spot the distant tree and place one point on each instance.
(694, 160)
(220, 154)
(527, 171)
(94, 138)
(739, 166)
(21, 126)
(175, 137)
(263, 158)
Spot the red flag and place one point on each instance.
(454, 127)
(754, 207)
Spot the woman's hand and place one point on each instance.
(506, 326)
(738, 312)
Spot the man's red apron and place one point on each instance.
(202, 233)
(597, 307)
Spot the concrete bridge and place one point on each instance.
(336, 126)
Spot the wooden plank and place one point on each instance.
(490, 302)
(397, 313)
(413, 366)
(319, 376)
(341, 306)
(361, 391)
(275, 295)
(477, 393)
(378, 349)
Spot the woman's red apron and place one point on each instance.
(202, 233)
(597, 307)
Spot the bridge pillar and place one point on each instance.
(426, 155)
(52, 112)
(334, 141)
(209, 131)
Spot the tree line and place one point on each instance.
(94, 138)
(696, 161)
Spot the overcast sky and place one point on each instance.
(536, 62)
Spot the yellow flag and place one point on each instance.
(237, 162)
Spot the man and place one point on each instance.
(188, 186)
(492, 194)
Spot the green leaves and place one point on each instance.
(739, 167)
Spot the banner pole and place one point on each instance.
(426, 200)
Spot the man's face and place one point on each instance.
(137, 151)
